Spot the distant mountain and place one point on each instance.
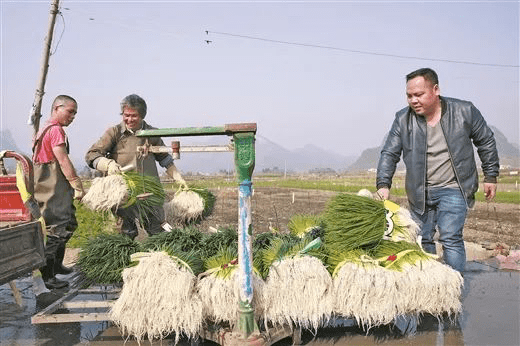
(269, 156)
(310, 157)
(367, 160)
(7, 142)
(508, 153)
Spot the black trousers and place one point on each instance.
(151, 222)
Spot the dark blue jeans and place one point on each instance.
(445, 212)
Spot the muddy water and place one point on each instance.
(491, 316)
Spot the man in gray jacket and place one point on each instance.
(117, 148)
(436, 136)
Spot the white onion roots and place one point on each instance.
(366, 293)
(405, 219)
(430, 287)
(220, 297)
(184, 207)
(374, 295)
(106, 193)
(298, 290)
(158, 298)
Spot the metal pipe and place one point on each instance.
(245, 163)
(192, 149)
(244, 148)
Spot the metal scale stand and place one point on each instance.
(246, 331)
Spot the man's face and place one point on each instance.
(422, 96)
(65, 112)
(132, 119)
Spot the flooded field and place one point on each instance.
(491, 297)
(491, 316)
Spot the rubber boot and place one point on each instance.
(59, 268)
(128, 225)
(48, 276)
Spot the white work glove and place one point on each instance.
(108, 166)
(175, 175)
(77, 185)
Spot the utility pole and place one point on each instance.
(35, 115)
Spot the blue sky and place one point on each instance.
(326, 73)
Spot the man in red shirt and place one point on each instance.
(56, 185)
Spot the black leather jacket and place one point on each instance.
(461, 124)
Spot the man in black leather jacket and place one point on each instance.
(436, 136)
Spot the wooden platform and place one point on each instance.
(87, 310)
(90, 310)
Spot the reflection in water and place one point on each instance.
(429, 331)
(15, 322)
(53, 334)
(491, 315)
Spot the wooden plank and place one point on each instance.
(48, 316)
(71, 318)
(114, 290)
(16, 293)
(88, 304)
(53, 307)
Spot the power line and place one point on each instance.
(61, 35)
(353, 50)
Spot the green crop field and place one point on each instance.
(508, 188)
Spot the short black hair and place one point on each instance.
(426, 73)
(63, 99)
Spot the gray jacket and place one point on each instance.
(462, 125)
(120, 144)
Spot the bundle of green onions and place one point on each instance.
(186, 239)
(189, 206)
(212, 243)
(430, 286)
(106, 193)
(158, 298)
(218, 288)
(352, 221)
(362, 289)
(104, 257)
(377, 285)
(300, 225)
(125, 190)
(297, 288)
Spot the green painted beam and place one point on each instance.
(244, 155)
(228, 129)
